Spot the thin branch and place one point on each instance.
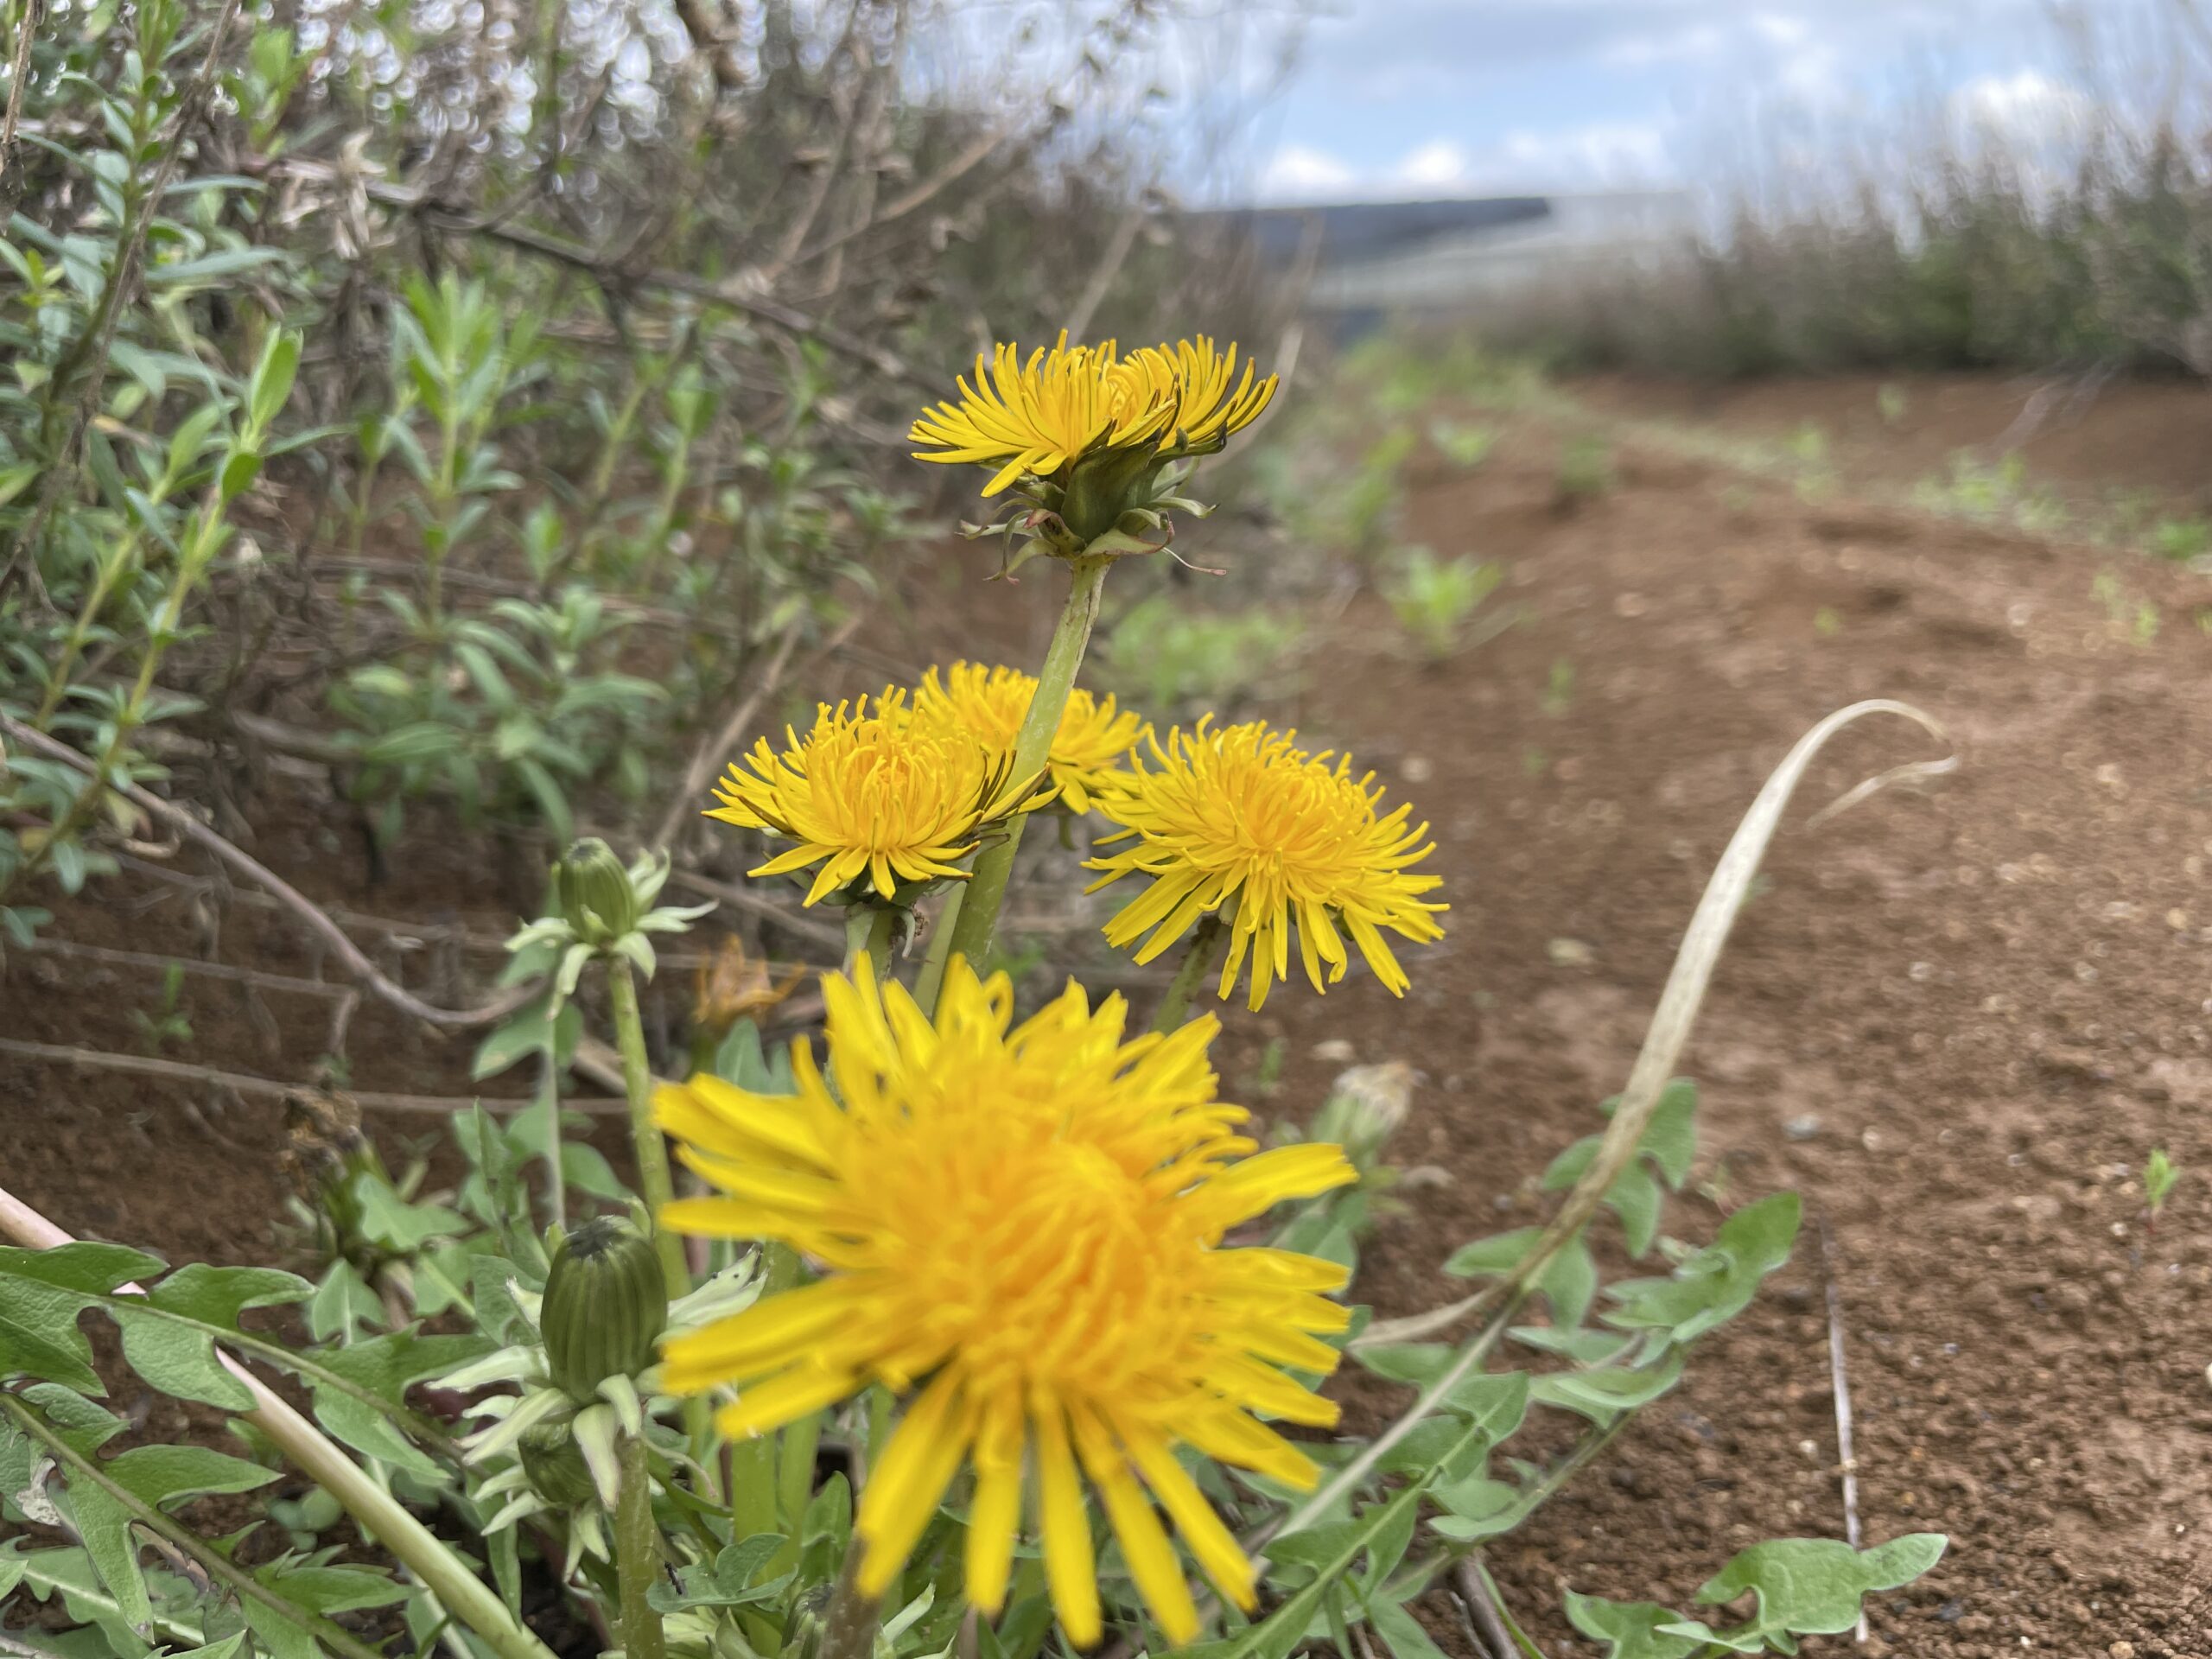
(146, 1066)
(351, 954)
(1484, 1624)
(1109, 266)
(783, 916)
(737, 293)
(1847, 1464)
(47, 945)
(707, 760)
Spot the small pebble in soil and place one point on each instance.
(1569, 953)
(1802, 1128)
(1416, 769)
(2121, 1650)
(1335, 1049)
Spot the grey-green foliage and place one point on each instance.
(1175, 660)
(1434, 599)
(1600, 1369)
(1797, 1586)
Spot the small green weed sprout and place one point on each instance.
(1559, 689)
(2159, 1174)
(1434, 598)
(1173, 658)
(1891, 403)
(1586, 469)
(1463, 445)
(1828, 622)
(167, 1023)
(1808, 444)
(2129, 613)
(2182, 540)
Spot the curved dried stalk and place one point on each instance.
(1655, 1064)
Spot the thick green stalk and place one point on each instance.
(930, 984)
(870, 929)
(1198, 960)
(849, 1629)
(977, 923)
(752, 1464)
(637, 1553)
(653, 1177)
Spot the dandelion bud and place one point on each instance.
(1365, 1106)
(596, 897)
(605, 1303)
(555, 1466)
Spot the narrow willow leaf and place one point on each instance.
(1603, 1395)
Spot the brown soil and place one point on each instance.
(1955, 1019)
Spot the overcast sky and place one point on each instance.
(1396, 97)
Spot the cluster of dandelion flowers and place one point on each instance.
(1023, 1223)
(872, 791)
(1237, 821)
(1094, 738)
(1042, 414)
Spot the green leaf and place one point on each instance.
(389, 1219)
(1631, 1629)
(1603, 1395)
(39, 1335)
(166, 1475)
(1402, 1632)
(1717, 1283)
(1812, 1586)
(1274, 1637)
(178, 1358)
(342, 1303)
(82, 1266)
(1487, 1258)
(1480, 1506)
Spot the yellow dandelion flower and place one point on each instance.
(1024, 1224)
(874, 793)
(1094, 738)
(1043, 414)
(1236, 820)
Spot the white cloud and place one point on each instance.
(1439, 164)
(2024, 109)
(1299, 173)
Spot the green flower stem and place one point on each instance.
(637, 1553)
(931, 984)
(870, 928)
(1199, 958)
(849, 1629)
(977, 923)
(754, 1474)
(644, 1134)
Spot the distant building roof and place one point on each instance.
(1374, 255)
(1368, 230)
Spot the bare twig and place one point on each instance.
(1482, 1620)
(306, 909)
(782, 915)
(1848, 1462)
(47, 944)
(707, 761)
(1108, 267)
(20, 71)
(738, 293)
(145, 1065)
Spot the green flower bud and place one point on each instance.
(596, 897)
(605, 1304)
(556, 1467)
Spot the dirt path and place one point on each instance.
(1957, 1022)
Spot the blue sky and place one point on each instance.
(1445, 97)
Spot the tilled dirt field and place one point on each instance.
(1955, 1019)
